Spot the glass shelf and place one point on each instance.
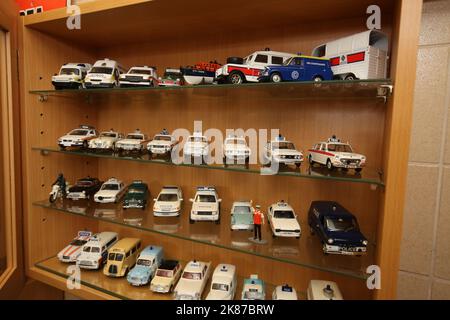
(120, 288)
(367, 176)
(355, 89)
(306, 251)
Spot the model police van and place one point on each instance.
(71, 76)
(95, 251)
(104, 74)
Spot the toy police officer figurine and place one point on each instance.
(258, 220)
(164, 132)
(61, 182)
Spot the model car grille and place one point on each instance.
(134, 78)
(290, 157)
(86, 263)
(350, 161)
(204, 213)
(66, 257)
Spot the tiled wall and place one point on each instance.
(425, 253)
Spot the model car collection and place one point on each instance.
(136, 196)
(71, 76)
(73, 250)
(223, 283)
(205, 205)
(283, 220)
(78, 137)
(139, 77)
(111, 191)
(169, 202)
(193, 280)
(105, 141)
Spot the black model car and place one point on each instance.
(84, 188)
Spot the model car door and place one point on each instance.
(11, 261)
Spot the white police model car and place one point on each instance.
(105, 141)
(104, 74)
(193, 281)
(71, 76)
(139, 77)
(133, 142)
(110, 192)
(283, 220)
(285, 292)
(335, 154)
(196, 146)
(283, 152)
(254, 288)
(223, 283)
(205, 205)
(236, 149)
(169, 202)
(79, 137)
(161, 144)
(71, 252)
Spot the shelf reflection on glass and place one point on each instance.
(306, 251)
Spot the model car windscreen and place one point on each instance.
(235, 141)
(242, 210)
(164, 273)
(283, 146)
(192, 275)
(283, 214)
(135, 137)
(69, 72)
(135, 190)
(103, 70)
(205, 198)
(91, 249)
(197, 139)
(108, 135)
(339, 148)
(220, 286)
(144, 262)
(172, 75)
(169, 197)
(140, 71)
(345, 225)
(248, 59)
(78, 132)
(84, 183)
(115, 257)
(161, 138)
(111, 187)
(78, 242)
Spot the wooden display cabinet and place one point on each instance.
(170, 33)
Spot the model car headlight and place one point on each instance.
(365, 242)
(337, 157)
(330, 241)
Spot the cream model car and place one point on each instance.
(166, 276)
(193, 281)
(139, 77)
(205, 205)
(323, 290)
(282, 151)
(79, 137)
(110, 192)
(105, 141)
(169, 202)
(71, 252)
(223, 283)
(95, 252)
(133, 142)
(236, 149)
(71, 76)
(283, 220)
(161, 144)
(104, 74)
(285, 292)
(335, 154)
(197, 145)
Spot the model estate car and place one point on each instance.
(166, 276)
(239, 70)
(254, 288)
(73, 250)
(136, 196)
(139, 77)
(133, 142)
(78, 137)
(236, 149)
(283, 220)
(104, 74)
(171, 78)
(196, 146)
(169, 202)
(105, 141)
(283, 152)
(242, 215)
(161, 144)
(285, 292)
(336, 154)
(84, 188)
(299, 68)
(323, 290)
(223, 283)
(147, 262)
(337, 228)
(205, 205)
(95, 252)
(193, 281)
(110, 192)
(71, 76)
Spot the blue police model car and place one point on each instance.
(147, 263)
(337, 228)
(298, 68)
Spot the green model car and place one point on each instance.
(137, 195)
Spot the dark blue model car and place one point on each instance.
(298, 68)
(337, 228)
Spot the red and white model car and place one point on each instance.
(248, 69)
(73, 250)
(336, 154)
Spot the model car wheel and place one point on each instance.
(235, 77)
(52, 198)
(298, 165)
(358, 170)
(235, 60)
(329, 165)
(350, 77)
(275, 77)
(317, 79)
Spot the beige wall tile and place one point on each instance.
(440, 290)
(429, 104)
(442, 260)
(435, 22)
(412, 287)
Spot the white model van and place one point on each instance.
(359, 56)
(95, 252)
(104, 74)
(71, 76)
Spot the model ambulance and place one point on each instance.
(196, 146)
(282, 151)
(223, 283)
(283, 220)
(323, 290)
(79, 137)
(169, 202)
(254, 288)
(193, 281)
(359, 56)
(105, 141)
(205, 205)
(73, 250)
(248, 69)
(161, 144)
(104, 74)
(285, 292)
(336, 154)
(110, 192)
(133, 142)
(139, 77)
(71, 76)
(236, 149)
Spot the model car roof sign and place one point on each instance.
(84, 233)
